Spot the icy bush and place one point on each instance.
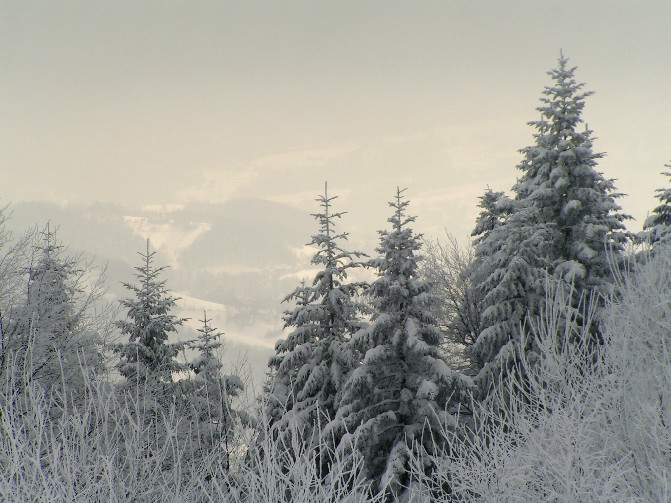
(590, 424)
(117, 446)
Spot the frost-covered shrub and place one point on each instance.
(104, 446)
(589, 424)
(114, 444)
(287, 468)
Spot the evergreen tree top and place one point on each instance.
(495, 207)
(53, 279)
(560, 185)
(206, 364)
(49, 244)
(330, 253)
(152, 298)
(48, 251)
(328, 302)
(209, 337)
(399, 219)
(147, 275)
(397, 247)
(562, 102)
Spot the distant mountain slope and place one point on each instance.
(247, 234)
(239, 254)
(99, 229)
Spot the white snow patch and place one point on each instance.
(255, 333)
(167, 237)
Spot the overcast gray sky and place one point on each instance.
(156, 102)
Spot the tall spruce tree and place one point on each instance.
(563, 222)
(148, 354)
(313, 361)
(403, 395)
(563, 190)
(657, 226)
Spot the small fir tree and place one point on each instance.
(148, 354)
(403, 395)
(148, 360)
(210, 416)
(206, 365)
(313, 361)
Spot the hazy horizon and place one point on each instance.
(144, 103)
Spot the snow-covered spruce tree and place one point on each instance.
(563, 190)
(562, 221)
(657, 226)
(313, 361)
(148, 355)
(148, 363)
(403, 394)
(210, 416)
(496, 207)
(50, 331)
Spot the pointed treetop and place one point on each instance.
(209, 340)
(398, 219)
(324, 199)
(563, 75)
(149, 324)
(326, 239)
(50, 243)
(208, 335)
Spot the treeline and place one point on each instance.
(532, 365)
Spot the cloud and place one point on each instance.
(218, 186)
(302, 275)
(302, 159)
(254, 178)
(405, 139)
(161, 209)
(167, 236)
